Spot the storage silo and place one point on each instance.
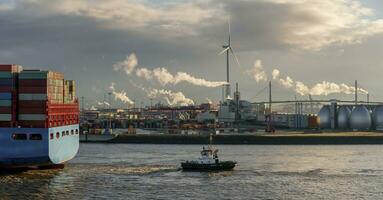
(324, 119)
(360, 118)
(378, 118)
(343, 117)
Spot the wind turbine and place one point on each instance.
(227, 48)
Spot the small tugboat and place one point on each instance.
(208, 161)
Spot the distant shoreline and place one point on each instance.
(344, 138)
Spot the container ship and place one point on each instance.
(39, 118)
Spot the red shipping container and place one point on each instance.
(10, 68)
(33, 82)
(7, 89)
(32, 124)
(33, 90)
(32, 103)
(5, 110)
(5, 124)
(37, 110)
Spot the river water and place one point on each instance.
(131, 171)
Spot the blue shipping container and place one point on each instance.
(5, 95)
(6, 82)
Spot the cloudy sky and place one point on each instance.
(168, 50)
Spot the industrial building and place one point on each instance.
(359, 117)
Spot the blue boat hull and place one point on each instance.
(57, 145)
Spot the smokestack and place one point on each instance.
(270, 97)
(236, 98)
(356, 92)
(223, 93)
(237, 94)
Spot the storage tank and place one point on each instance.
(378, 118)
(324, 119)
(343, 117)
(360, 118)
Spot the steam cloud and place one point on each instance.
(323, 88)
(161, 74)
(103, 103)
(128, 65)
(120, 95)
(209, 100)
(171, 98)
(258, 72)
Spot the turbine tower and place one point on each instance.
(227, 48)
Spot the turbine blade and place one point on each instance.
(236, 59)
(224, 50)
(228, 21)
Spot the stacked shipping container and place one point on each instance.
(69, 91)
(8, 94)
(36, 99)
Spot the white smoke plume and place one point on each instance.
(121, 96)
(128, 65)
(257, 72)
(209, 101)
(172, 98)
(103, 103)
(144, 73)
(323, 88)
(275, 74)
(164, 77)
(161, 74)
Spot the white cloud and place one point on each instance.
(175, 19)
(316, 24)
(305, 24)
(5, 6)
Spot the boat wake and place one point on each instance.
(127, 170)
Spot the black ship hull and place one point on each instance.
(220, 166)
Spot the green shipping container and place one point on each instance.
(27, 96)
(6, 103)
(5, 117)
(6, 75)
(33, 75)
